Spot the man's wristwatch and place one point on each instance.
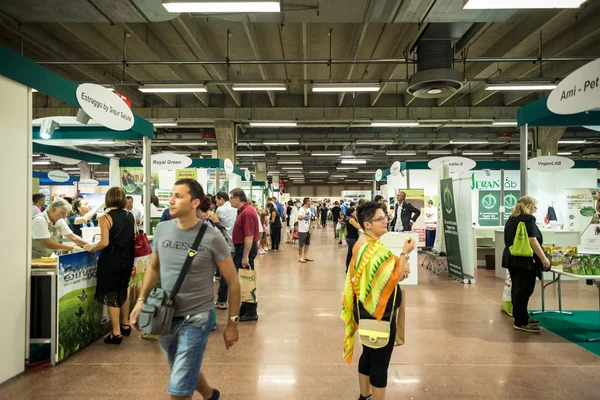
(405, 256)
(235, 319)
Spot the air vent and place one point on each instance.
(435, 77)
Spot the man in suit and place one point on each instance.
(408, 214)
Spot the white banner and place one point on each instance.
(583, 216)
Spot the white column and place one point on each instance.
(15, 239)
(114, 173)
(147, 147)
(524, 158)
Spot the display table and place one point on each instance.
(557, 275)
(551, 237)
(395, 242)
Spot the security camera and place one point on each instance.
(48, 127)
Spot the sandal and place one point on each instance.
(302, 261)
(112, 339)
(125, 330)
(309, 259)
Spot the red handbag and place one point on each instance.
(142, 245)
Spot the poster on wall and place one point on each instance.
(140, 264)
(355, 195)
(164, 197)
(417, 198)
(132, 180)
(487, 195)
(211, 184)
(81, 319)
(451, 237)
(189, 173)
(583, 215)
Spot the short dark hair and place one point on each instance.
(154, 200)
(223, 195)
(290, 203)
(352, 204)
(205, 204)
(38, 196)
(378, 197)
(115, 197)
(240, 194)
(306, 200)
(366, 212)
(194, 188)
(350, 210)
(129, 198)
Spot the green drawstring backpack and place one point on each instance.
(521, 246)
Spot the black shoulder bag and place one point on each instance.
(157, 311)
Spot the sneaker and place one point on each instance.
(528, 328)
(534, 322)
(221, 305)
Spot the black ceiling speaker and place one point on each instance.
(435, 77)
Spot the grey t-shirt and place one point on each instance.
(171, 244)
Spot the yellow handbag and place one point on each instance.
(372, 333)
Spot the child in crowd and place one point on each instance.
(264, 241)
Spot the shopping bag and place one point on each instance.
(248, 288)
(507, 306)
(521, 246)
(142, 245)
(400, 321)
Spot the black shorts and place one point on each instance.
(303, 239)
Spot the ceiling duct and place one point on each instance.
(435, 77)
(364, 151)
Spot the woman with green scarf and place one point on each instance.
(372, 290)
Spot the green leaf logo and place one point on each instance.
(489, 201)
(510, 201)
(448, 200)
(588, 211)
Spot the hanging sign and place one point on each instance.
(378, 175)
(455, 164)
(58, 176)
(228, 165)
(578, 92)
(395, 168)
(593, 128)
(247, 175)
(169, 162)
(550, 163)
(87, 182)
(104, 107)
(63, 160)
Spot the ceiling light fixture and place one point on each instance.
(283, 167)
(188, 143)
(250, 154)
(41, 163)
(374, 142)
(564, 153)
(109, 154)
(345, 87)
(289, 162)
(71, 169)
(520, 5)
(34, 90)
(400, 153)
(566, 141)
(287, 153)
(478, 153)
(164, 124)
(394, 124)
(318, 172)
(520, 86)
(354, 161)
(284, 143)
(94, 163)
(273, 124)
(365, 172)
(505, 123)
(325, 154)
(439, 152)
(183, 88)
(258, 87)
(341, 168)
(221, 6)
(458, 141)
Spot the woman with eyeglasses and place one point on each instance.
(372, 291)
(352, 228)
(524, 270)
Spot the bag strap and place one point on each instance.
(188, 262)
(393, 306)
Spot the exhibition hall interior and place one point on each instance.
(300, 199)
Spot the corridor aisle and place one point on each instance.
(459, 346)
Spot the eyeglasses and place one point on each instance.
(384, 218)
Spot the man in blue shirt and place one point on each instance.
(280, 209)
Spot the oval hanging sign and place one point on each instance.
(247, 175)
(63, 160)
(578, 92)
(395, 168)
(378, 175)
(455, 164)
(58, 176)
(169, 162)
(104, 107)
(87, 182)
(593, 128)
(550, 163)
(228, 165)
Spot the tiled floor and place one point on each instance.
(459, 346)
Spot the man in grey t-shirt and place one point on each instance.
(192, 322)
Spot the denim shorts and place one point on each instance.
(184, 348)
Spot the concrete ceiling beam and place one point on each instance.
(258, 52)
(305, 57)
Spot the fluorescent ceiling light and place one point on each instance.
(365, 172)
(273, 124)
(183, 88)
(288, 143)
(478, 153)
(318, 172)
(273, 172)
(375, 142)
(505, 123)
(582, 141)
(188, 144)
(346, 168)
(41, 163)
(221, 6)
(325, 154)
(292, 167)
(164, 124)
(109, 154)
(517, 86)
(458, 141)
(246, 87)
(287, 153)
(289, 162)
(354, 161)
(564, 153)
(94, 163)
(338, 176)
(345, 87)
(71, 169)
(400, 153)
(439, 152)
(36, 155)
(394, 124)
(520, 4)
(250, 154)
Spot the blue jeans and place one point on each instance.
(184, 348)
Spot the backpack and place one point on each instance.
(221, 229)
(521, 246)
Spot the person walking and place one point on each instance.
(275, 227)
(335, 213)
(372, 292)
(324, 214)
(289, 227)
(192, 321)
(39, 199)
(245, 239)
(430, 224)
(226, 215)
(352, 228)
(524, 270)
(305, 218)
(115, 263)
(405, 214)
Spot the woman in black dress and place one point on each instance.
(275, 224)
(115, 262)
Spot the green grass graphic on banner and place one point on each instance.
(451, 236)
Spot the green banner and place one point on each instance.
(489, 208)
(451, 236)
(511, 197)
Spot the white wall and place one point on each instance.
(15, 164)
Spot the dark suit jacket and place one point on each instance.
(409, 213)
